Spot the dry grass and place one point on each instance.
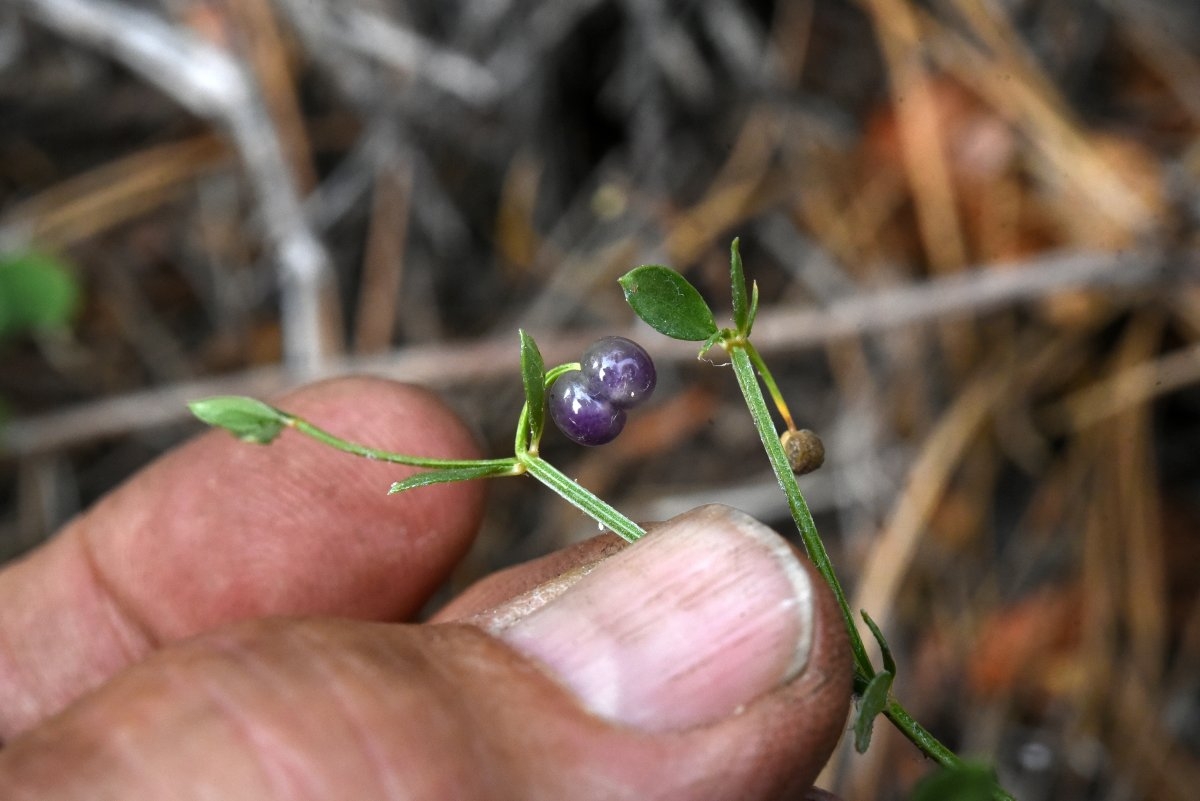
(974, 223)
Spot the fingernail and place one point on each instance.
(705, 614)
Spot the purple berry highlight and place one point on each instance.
(620, 371)
(581, 413)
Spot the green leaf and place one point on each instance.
(737, 280)
(889, 663)
(430, 477)
(970, 781)
(874, 699)
(533, 376)
(37, 292)
(753, 308)
(671, 305)
(246, 418)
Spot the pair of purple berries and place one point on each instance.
(588, 405)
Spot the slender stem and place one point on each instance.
(743, 368)
(581, 498)
(305, 427)
(769, 382)
(745, 360)
(933, 747)
(920, 736)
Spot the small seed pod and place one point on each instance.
(805, 452)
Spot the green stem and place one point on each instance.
(769, 381)
(744, 369)
(745, 361)
(581, 498)
(920, 736)
(307, 428)
(932, 747)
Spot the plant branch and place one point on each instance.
(581, 498)
(743, 368)
(375, 454)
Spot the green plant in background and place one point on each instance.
(37, 293)
(590, 411)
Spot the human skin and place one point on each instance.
(231, 623)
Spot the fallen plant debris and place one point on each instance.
(974, 226)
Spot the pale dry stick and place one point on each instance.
(1163, 767)
(968, 293)
(1133, 385)
(258, 26)
(349, 28)
(209, 83)
(1109, 678)
(517, 237)
(735, 188)
(776, 330)
(383, 264)
(921, 133)
(1015, 89)
(1135, 480)
(943, 449)
(1175, 64)
(790, 39)
(893, 553)
(85, 205)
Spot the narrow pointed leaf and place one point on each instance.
(874, 699)
(430, 477)
(889, 663)
(668, 303)
(533, 376)
(246, 418)
(753, 308)
(737, 281)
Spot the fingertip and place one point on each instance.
(220, 530)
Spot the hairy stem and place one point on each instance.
(581, 498)
(744, 369)
(745, 362)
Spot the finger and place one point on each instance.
(221, 530)
(320, 709)
(559, 568)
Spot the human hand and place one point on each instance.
(143, 653)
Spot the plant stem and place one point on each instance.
(745, 361)
(932, 747)
(744, 369)
(307, 428)
(581, 498)
(769, 381)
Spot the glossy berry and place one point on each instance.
(619, 370)
(581, 413)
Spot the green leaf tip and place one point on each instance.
(874, 699)
(668, 303)
(247, 419)
(431, 477)
(533, 377)
(737, 281)
(889, 662)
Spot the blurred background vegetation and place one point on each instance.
(974, 223)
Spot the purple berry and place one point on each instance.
(620, 370)
(581, 413)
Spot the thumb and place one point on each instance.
(703, 662)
